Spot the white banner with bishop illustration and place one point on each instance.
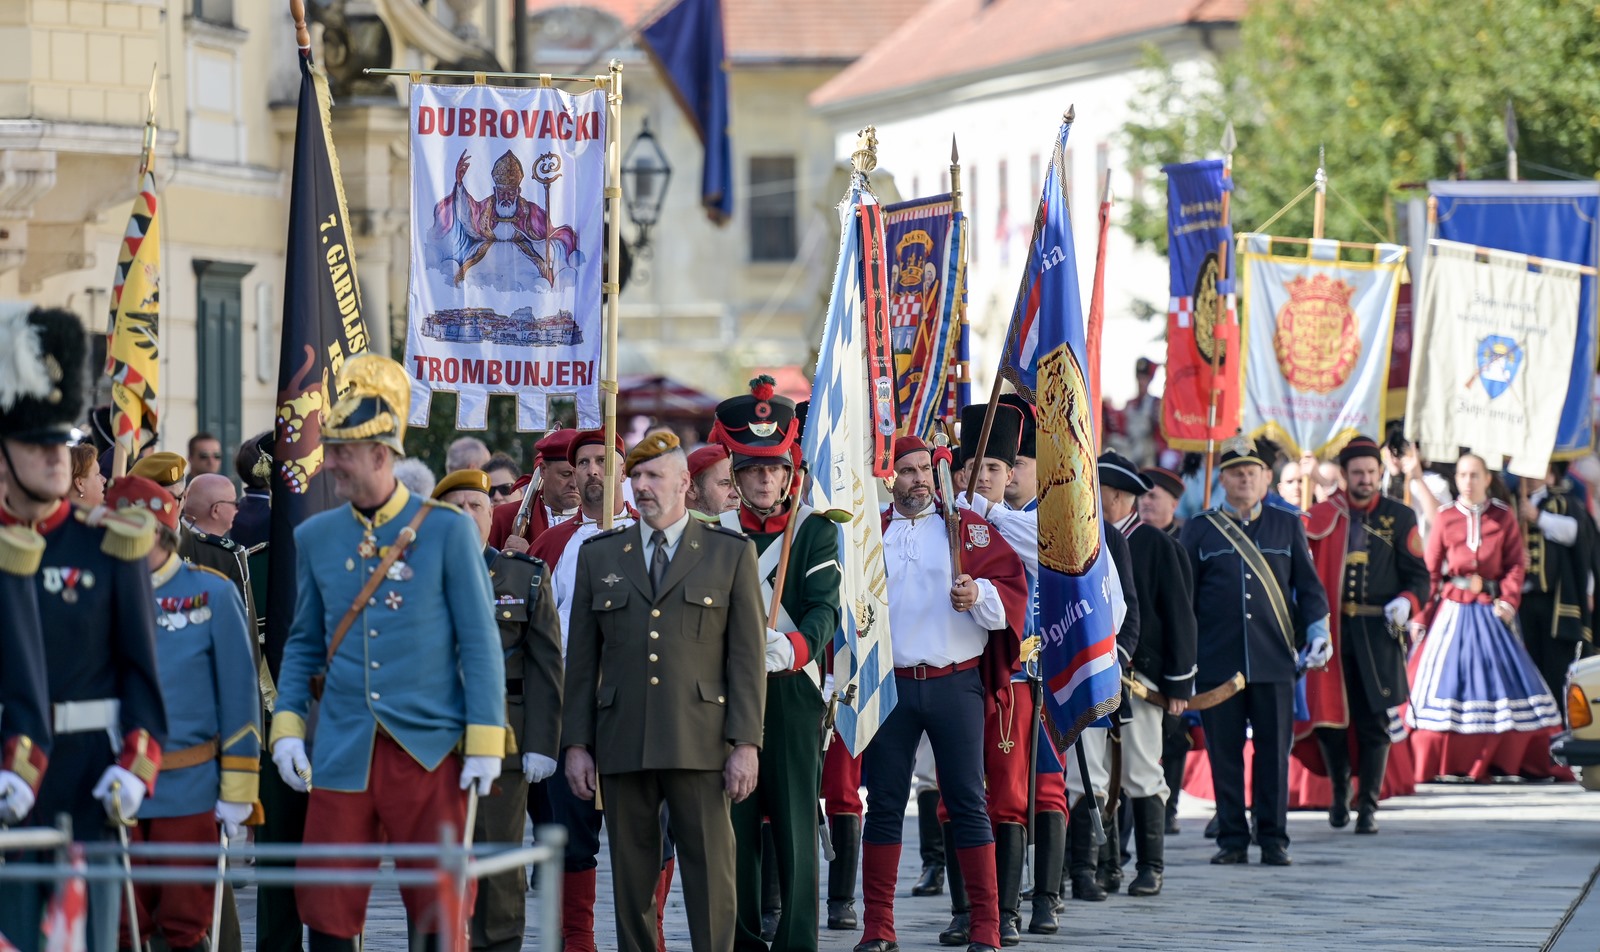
(1316, 326)
(507, 226)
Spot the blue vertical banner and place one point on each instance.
(1044, 360)
(1559, 220)
(686, 43)
(1199, 308)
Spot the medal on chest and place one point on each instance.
(64, 581)
(178, 613)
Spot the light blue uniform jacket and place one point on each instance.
(422, 660)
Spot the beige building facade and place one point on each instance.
(707, 304)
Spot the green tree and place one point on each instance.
(1398, 91)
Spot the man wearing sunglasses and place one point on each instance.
(504, 474)
(205, 454)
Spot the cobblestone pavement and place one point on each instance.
(1454, 868)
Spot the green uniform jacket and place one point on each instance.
(530, 637)
(667, 680)
(811, 585)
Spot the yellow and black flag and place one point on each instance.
(322, 326)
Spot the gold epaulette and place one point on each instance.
(21, 549)
(452, 507)
(130, 534)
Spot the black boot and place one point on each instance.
(1108, 867)
(959, 932)
(1374, 761)
(1149, 838)
(1335, 746)
(771, 894)
(931, 882)
(1010, 843)
(846, 832)
(1049, 849)
(322, 942)
(1082, 853)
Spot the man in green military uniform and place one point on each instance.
(530, 637)
(760, 432)
(664, 696)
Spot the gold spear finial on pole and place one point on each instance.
(149, 157)
(302, 33)
(955, 175)
(865, 157)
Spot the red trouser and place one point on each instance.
(403, 803)
(1006, 773)
(180, 912)
(841, 780)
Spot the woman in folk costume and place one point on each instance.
(1478, 704)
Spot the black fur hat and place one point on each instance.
(43, 373)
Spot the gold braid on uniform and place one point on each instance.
(21, 550)
(130, 534)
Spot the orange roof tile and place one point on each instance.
(779, 30)
(958, 37)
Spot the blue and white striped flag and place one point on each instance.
(837, 445)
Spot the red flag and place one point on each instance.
(1097, 309)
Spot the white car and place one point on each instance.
(1579, 745)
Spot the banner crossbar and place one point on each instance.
(481, 78)
(1483, 252)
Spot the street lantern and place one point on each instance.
(645, 174)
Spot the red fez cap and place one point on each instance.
(706, 457)
(555, 444)
(910, 444)
(138, 492)
(582, 438)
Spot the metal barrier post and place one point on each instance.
(554, 837)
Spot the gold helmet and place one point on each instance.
(376, 401)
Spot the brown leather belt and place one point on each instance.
(1350, 610)
(190, 756)
(921, 672)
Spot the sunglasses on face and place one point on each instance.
(502, 489)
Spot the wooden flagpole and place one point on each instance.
(612, 286)
(1229, 141)
(960, 370)
(1319, 216)
(1095, 330)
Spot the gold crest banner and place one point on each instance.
(1317, 320)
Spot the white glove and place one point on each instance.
(232, 816)
(1319, 652)
(537, 768)
(129, 797)
(780, 652)
(16, 798)
(481, 771)
(1398, 611)
(289, 754)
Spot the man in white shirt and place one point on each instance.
(957, 634)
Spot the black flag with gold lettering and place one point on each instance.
(322, 325)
